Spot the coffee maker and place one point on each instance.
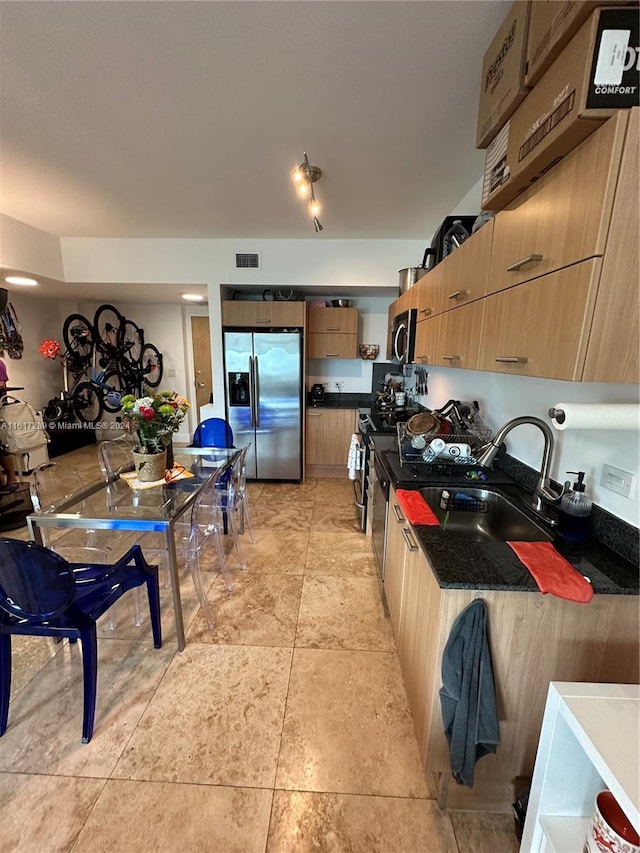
(317, 394)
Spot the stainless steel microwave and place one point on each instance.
(403, 336)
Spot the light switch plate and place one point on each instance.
(171, 373)
(618, 481)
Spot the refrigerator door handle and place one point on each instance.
(256, 385)
(252, 393)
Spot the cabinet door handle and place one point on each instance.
(423, 359)
(528, 260)
(332, 355)
(399, 516)
(333, 328)
(512, 359)
(458, 294)
(426, 311)
(314, 414)
(410, 544)
(258, 320)
(452, 357)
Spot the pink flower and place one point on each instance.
(147, 413)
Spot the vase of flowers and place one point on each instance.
(154, 420)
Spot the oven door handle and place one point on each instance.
(358, 499)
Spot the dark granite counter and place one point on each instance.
(464, 564)
(341, 401)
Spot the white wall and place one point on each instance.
(28, 249)
(504, 397)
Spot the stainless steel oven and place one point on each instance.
(379, 516)
(360, 483)
(403, 336)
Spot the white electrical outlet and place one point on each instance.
(171, 373)
(618, 481)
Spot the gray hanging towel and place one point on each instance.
(467, 695)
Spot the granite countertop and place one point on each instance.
(340, 401)
(489, 564)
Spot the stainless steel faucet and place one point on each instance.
(544, 491)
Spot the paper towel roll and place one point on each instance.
(609, 416)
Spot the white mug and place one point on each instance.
(602, 836)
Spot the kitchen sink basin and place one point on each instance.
(480, 514)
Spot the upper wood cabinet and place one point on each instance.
(249, 314)
(333, 333)
(614, 344)
(333, 320)
(427, 340)
(564, 217)
(465, 273)
(458, 336)
(541, 328)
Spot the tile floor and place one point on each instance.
(287, 729)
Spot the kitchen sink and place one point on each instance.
(480, 514)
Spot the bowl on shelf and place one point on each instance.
(369, 351)
(342, 303)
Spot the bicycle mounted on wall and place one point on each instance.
(102, 362)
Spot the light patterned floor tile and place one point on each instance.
(29, 655)
(348, 727)
(484, 833)
(288, 491)
(276, 551)
(331, 516)
(283, 515)
(339, 553)
(44, 734)
(160, 816)
(260, 610)
(343, 613)
(39, 813)
(326, 823)
(215, 719)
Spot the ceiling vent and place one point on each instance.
(248, 261)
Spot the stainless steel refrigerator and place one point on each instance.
(263, 387)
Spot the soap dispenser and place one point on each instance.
(575, 510)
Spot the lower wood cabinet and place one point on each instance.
(328, 436)
(534, 639)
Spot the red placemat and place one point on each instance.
(552, 572)
(415, 508)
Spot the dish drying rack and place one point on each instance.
(473, 431)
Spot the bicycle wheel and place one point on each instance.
(87, 403)
(106, 325)
(131, 341)
(151, 363)
(78, 338)
(113, 390)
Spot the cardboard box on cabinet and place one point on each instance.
(596, 75)
(503, 69)
(552, 24)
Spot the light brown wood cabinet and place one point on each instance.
(534, 639)
(328, 436)
(333, 333)
(458, 338)
(249, 314)
(614, 345)
(541, 328)
(552, 283)
(565, 216)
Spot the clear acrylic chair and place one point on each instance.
(206, 525)
(238, 500)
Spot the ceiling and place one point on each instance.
(185, 119)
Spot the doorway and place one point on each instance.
(202, 375)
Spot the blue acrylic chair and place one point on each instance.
(213, 432)
(40, 596)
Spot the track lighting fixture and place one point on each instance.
(304, 177)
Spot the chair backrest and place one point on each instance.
(213, 432)
(35, 583)
(205, 511)
(115, 456)
(51, 483)
(238, 475)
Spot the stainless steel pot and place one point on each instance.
(409, 276)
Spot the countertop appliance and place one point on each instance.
(403, 336)
(263, 387)
(317, 393)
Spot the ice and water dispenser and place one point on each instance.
(238, 389)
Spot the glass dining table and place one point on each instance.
(115, 505)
